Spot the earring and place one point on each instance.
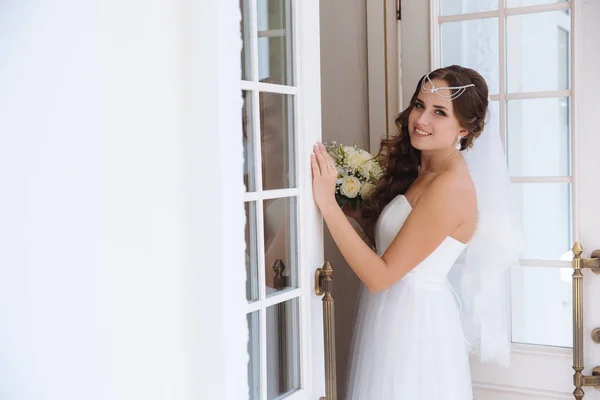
(458, 144)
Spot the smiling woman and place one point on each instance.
(424, 214)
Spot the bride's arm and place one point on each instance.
(438, 213)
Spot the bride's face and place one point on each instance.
(431, 123)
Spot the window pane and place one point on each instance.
(538, 137)
(277, 137)
(544, 213)
(522, 3)
(472, 44)
(454, 7)
(251, 252)
(283, 350)
(538, 51)
(275, 41)
(254, 353)
(280, 244)
(246, 35)
(248, 140)
(542, 311)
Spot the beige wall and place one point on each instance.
(345, 119)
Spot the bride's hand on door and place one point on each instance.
(324, 175)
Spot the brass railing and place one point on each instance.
(580, 380)
(323, 286)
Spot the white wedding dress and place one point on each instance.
(408, 341)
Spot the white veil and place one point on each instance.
(484, 271)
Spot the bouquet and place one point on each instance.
(357, 171)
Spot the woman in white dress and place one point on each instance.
(408, 341)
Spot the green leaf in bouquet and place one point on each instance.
(341, 200)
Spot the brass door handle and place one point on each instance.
(323, 286)
(580, 380)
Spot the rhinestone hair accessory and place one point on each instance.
(432, 89)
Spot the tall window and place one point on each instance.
(522, 48)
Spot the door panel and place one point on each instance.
(284, 236)
(537, 63)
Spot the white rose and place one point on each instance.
(350, 187)
(366, 190)
(366, 168)
(349, 150)
(354, 160)
(376, 170)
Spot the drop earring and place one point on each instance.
(458, 144)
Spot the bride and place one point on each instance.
(443, 197)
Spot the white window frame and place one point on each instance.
(502, 97)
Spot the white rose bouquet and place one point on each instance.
(357, 171)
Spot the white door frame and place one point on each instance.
(384, 72)
(307, 127)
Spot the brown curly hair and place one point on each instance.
(400, 161)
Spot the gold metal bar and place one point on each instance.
(580, 380)
(592, 263)
(578, 322)
(323, 287)
(282, 324)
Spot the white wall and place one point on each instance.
(109, 286)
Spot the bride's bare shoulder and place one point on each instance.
(455, 186)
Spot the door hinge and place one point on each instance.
(399, 10)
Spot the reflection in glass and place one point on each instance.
(543, 125)
(251, 252)
(544, 213)
(524, 3)
(280, 244)
(275, 41)
(538, 51)
(453, 7)
(542, 311)
(248, 140)
(283, 350)
(246, 35)
(472, 44)
(254, 353)
(277, 140)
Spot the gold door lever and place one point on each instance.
(323, 288)
(580, 380)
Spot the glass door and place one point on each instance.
(284, 240)
(525, 49)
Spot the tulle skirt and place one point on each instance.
(408, 344)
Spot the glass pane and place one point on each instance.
(522, 3)
(544, 213)
(472, 44)
(254, 353)
(248, 139)
(542, 311)
(455, 7)
(277, 138)
(251, 252)
(280, 244)
(538, 137)
(538, 51)
(283, 350)
(246, 36)
(275, 41)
